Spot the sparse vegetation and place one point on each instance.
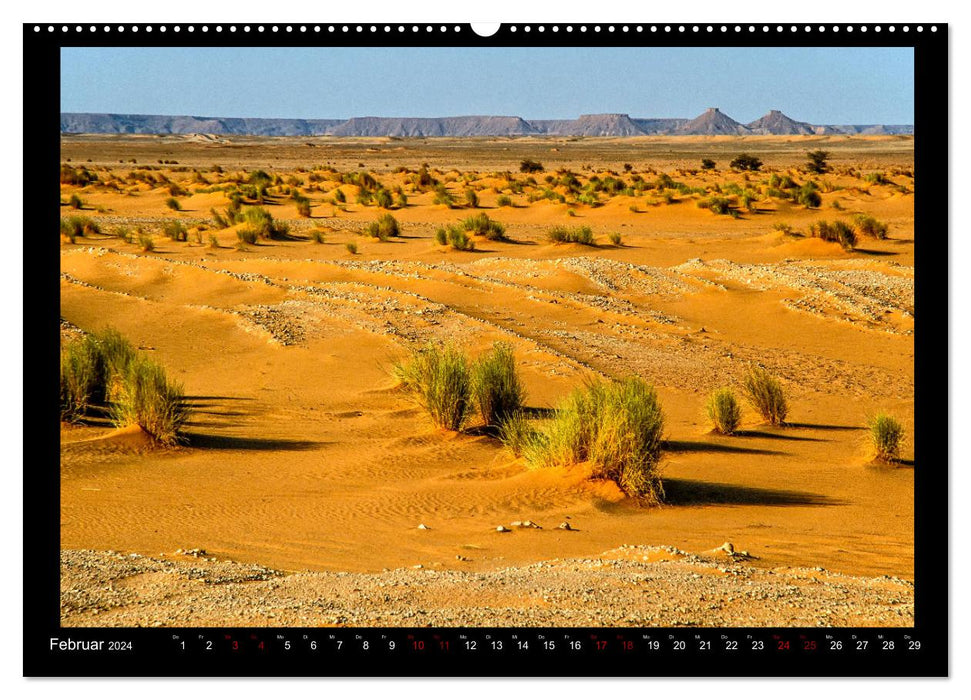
(146, 242)
(764, 393)
(440, 379)
(503, 201)
(564, 234)
(317, 235)
(260, 222)
(496, 386)
(351, 247)
(836, 232)
(530, 166)
(615, 238)
(173, 204)
(175, 230)
(482, 225)
(617, 427)
(886, 435)
(817, 162)
(718, 205)
(74, 226)
(454, 236)
(384, 228)
(723, 411)
(746, 162)
(516, 433)
(148, 399)
(75, 202)
(868, 226)
(471, 198)
(707, 164)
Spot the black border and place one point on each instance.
(155, 652)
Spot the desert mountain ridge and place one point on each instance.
(711, 122)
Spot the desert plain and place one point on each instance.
(309, 489)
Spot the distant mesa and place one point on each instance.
(712, 122)
(775, 122)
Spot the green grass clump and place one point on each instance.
(75, 202)
(147, 398)
(115, 353)
(146, 242)
(886, 434)
(503, 201)
(564, 234)
(868, 226)
(175, 230)
(351, 247)
(318, 236)
(74, 226)
(213, 241)
(440, 379)
(516, 433)
(81, 378)
(259, 221)
(723, 411)
(617, 427)
(496, 386)
(615, 238)
(471, 198)
(442, 196)
(718, 205)
(481, 225)
(303, 205)
(173, 204)
(247, 235)
(454, 236)
(384, 228)
(836, 232)
(765, 394)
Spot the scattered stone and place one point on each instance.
(565, 526)
(423, 526)
(503, 528)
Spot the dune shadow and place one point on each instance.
(881, 253)
(824, 426)
(698, 446)
(225, 442)
(687, 492)
(517, 241)
(776, 436)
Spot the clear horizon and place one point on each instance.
(815, 85)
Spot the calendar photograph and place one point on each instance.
(466, 337)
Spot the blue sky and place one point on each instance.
(818, 85)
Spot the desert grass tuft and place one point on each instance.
(496, 386)
(723, 411)
(351, 247)
(384, 228)
(886, 435)
(148, 399)
(617, 427)
(481, 225)
(516, 434)
(764, 393)
(563, 234)
(440, 379)
(869, 226)
(81, 377)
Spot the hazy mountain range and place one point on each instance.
(711, 122)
